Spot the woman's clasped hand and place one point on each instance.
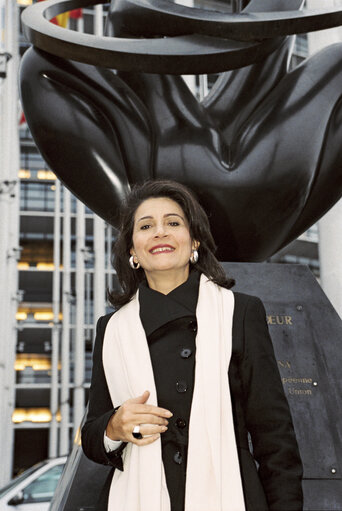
(152, 420)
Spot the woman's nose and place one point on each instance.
(160, 231)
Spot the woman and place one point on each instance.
(161, 406)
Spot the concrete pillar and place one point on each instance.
(9, 230)
(109, 268)
(322, 38)
(98, 224)
(55, 334)
(98, 20)
(330, 226)
(203, 86)
(330, 251)
(190, 80)
(79, 348)
(99, 291)
(64, 446)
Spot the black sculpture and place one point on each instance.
(262, 151)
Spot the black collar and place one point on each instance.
(156, 309)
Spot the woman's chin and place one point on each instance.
(167, 267)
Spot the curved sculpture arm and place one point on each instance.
(89, 126)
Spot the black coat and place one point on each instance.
(259, 407)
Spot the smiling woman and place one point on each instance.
(162, 411)
(154, 214)
(162, 244)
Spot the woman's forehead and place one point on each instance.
(158, 206)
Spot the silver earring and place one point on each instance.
(194, 257)
(132, 263)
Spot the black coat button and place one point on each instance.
(181, 386)
(185, 352)
(193, 325)
(178, 458)
(180, 423)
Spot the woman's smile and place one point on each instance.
(161, 249)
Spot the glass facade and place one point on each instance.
(49, 284)
(36, 196)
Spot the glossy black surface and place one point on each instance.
(187, 53)
(263, 151)
(201, 41)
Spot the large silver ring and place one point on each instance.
(136, 432)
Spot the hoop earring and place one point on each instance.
(194, 257)
(132, 263)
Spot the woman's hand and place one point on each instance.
(134, 412)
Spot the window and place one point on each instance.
(36, 196)
(43, 488)
(15, 482)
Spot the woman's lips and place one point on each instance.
(158, 249)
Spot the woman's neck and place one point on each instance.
(166, 281)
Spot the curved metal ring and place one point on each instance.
(246, 26)
(187, 54)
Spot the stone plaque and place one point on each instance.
(307, 336)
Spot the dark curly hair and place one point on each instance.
(199, 228)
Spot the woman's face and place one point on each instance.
(161, 237)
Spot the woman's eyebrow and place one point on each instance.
(165, 216)
(144, 218)
(173, 214)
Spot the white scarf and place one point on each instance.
(213, 481)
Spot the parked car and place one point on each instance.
(33, 489)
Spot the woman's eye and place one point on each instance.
(174, 223)
(145, 226)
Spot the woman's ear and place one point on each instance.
(132, 253)
(195, 245)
